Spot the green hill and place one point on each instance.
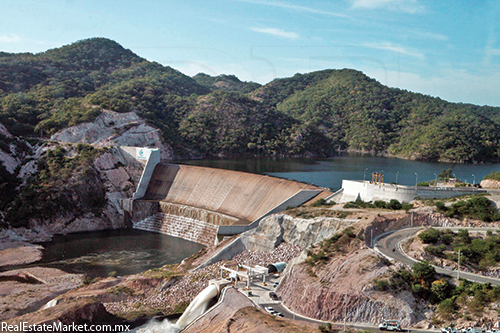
(226, 83)
(314, 114)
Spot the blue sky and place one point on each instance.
(449, 49)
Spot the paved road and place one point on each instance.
(390, 246)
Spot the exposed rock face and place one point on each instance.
(277, 228)
(9, 162)
(115, 129)
(345, 281)
(490, 183)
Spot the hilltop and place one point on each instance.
(313, 114)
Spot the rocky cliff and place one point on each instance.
(279, 228)
(490, 183)
(345, 284)
(111, 175)
(115, 129)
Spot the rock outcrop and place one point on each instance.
(115, 129)
(345, 284)
(279, 228)
(490, 183)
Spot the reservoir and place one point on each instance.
(124, 252)
(115, 252)
(329, 172)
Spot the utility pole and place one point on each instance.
(371, 237)
(458, 273)
(345, 313)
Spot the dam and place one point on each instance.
(199, 203)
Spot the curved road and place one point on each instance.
(390, 246)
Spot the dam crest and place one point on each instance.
(199, 203)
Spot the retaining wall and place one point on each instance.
(367, 191)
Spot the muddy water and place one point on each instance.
(120, 252)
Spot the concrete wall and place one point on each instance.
(294, 201)
(242, 195)
(151, 157)
(372, 192)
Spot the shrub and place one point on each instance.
(319, 202)
(446, 307)
(407, 206)
(380, 204)
(429, 236)
(440, 206)
(495, 175)
(382, 285)
(394, 204)
(423, 271)
(435, 250)
(447, 238)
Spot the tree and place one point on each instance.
(423, 272)
(445, 175)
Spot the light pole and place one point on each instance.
(364, 175)
(436, 179)
(458, 273)
(416, 181)
(397, 173)
(474, 181)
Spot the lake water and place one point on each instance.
(125, 251)
(329, 172)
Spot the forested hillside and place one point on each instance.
(314, 114)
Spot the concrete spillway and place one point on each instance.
(197, 203)
(242, 195)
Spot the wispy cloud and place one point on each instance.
(9, 38)
(276, 32)
(428, 35)
(295, 8)
(388, 46)
(406, 6)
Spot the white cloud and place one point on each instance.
(9, 38)
(406, 6)
(295, 8)
(276, 32)
(387, 46)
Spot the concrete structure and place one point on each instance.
(367, 191)
(191, 202)
(151, 158)
(276, 267)
(246, 273)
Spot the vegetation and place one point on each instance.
(495, 175)
(477, 207)
(392, 204)
(62, 184)
(317, 113)
(326, 248)
(477, 253)
(468, 298)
